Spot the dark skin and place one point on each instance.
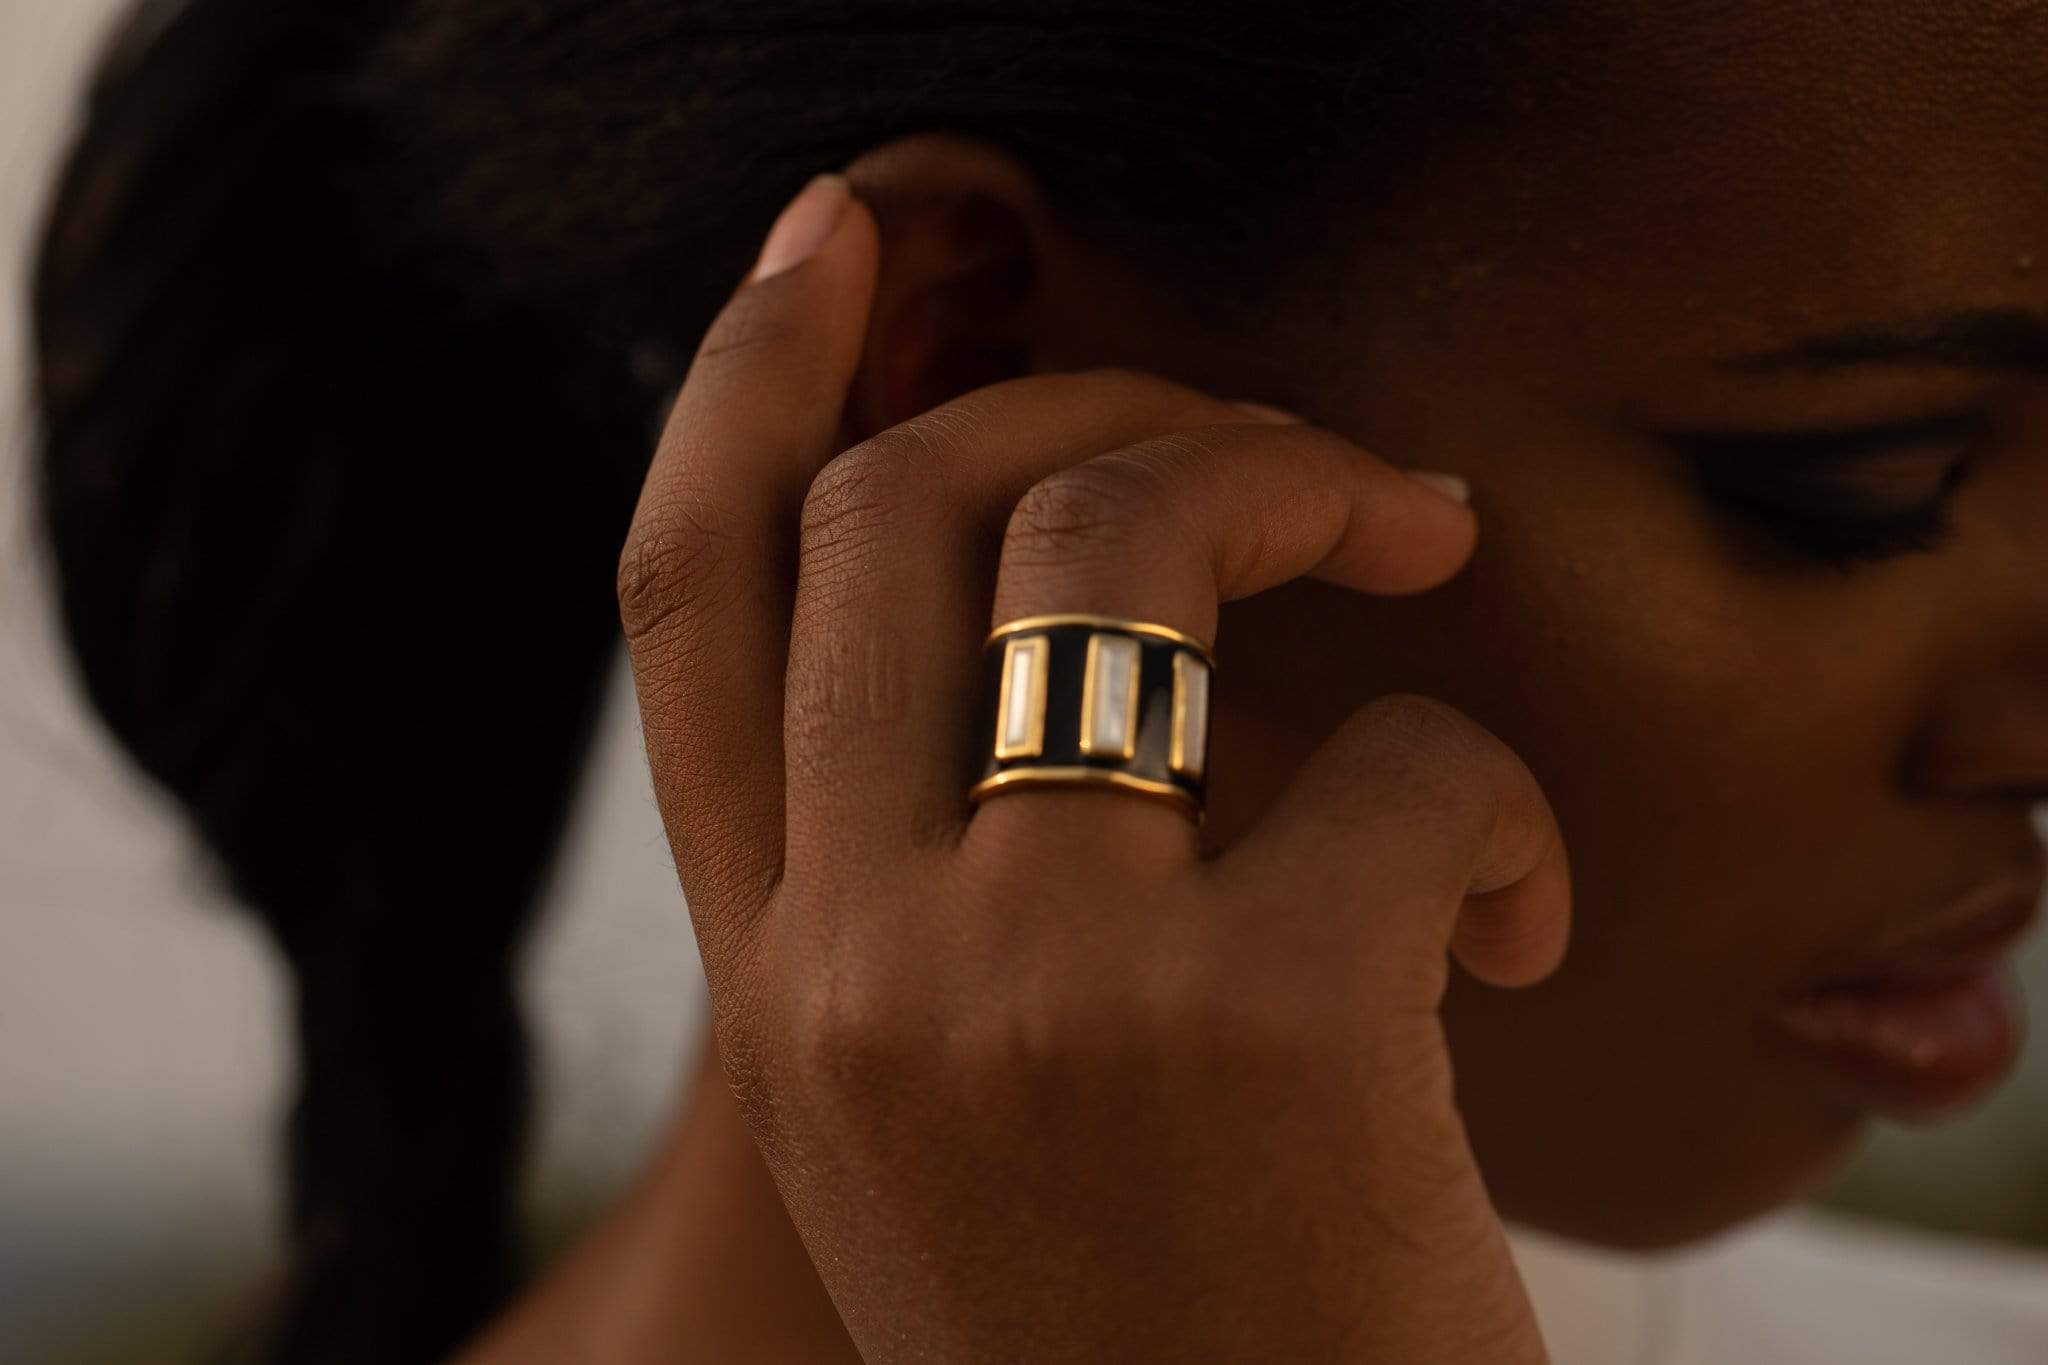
(1761, 765)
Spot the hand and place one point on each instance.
(1051, 1079)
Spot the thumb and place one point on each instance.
(708, 572)
(1432, 832)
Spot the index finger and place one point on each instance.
(707, 575)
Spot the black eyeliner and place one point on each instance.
(1797, 486)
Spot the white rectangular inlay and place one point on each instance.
(1190, 747)
(1109, 697)
(1020, 711)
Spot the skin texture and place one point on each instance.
(1761, 766)
(1065, 1116)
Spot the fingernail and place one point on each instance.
(1451, 486)
(803, 225)
(1265, 412)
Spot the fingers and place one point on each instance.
(1165, 530)
(706, 576)
(900, 536)
(1424, 831)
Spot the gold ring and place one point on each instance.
(1082, 700)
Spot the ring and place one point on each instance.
(1078, 700)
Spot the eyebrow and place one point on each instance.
(2003, 340)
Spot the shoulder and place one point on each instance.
(1799, 1287)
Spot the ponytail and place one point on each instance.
(334, 552)
(353, 321)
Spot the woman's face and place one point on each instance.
(1768, 767)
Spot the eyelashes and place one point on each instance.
(1851, 538)
(1801, 488)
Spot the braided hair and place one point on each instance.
(353, 323)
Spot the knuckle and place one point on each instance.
(1039, 1025)
(1419, 718)
(1049, 1031)
(866, 492)
(1080, 512)
(1174, 457)
(677, 563)
(1117, 1026)
(1111, 986)
(958, 423)
(1433, 751)
(854, 1037)
(1024, 1035)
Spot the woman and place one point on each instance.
(355, 333)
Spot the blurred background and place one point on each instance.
(143, 1054)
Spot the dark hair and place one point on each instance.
(354, 321)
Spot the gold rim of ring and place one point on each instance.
(1079, 776)
(1079, 618)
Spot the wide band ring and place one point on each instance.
(1079, 700)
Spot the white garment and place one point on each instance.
(1798, 1288)
(619, 1000)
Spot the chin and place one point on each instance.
(1654, 1186)
(1640, 1138)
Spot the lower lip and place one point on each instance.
(1912, 1050)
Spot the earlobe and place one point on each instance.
(964, 247)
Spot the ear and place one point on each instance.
(969, 256)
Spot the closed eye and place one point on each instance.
(1840, 496)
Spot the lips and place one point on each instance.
(1929, 1021)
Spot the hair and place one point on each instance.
(354, 323)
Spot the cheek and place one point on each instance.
(1714, 736)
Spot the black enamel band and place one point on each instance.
(1078, 700)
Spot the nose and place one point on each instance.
(1988, 739)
